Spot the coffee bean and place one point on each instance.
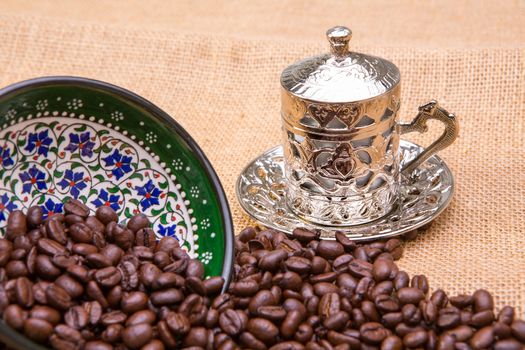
(381, 270)
(108, 277)
(84, 249)
(482, 318)
(138, 222)
(123, 237)
(415, 339)
(411, 314)
(76, 207)
(57, 297)
(113, 317)
(482, 300)
(448, 318)
(136, 336)
(330, 249)
(56, 231)
(373, 333)
(213, 285)
(508, 344)
(14, 316)
(483, 338)
(167, 297)
(386, 303)
(439, 298)
(502, 330)
(81, 233)
(95, 293)
(143, 316)
(197, 338)
(133, 302)
(106, 214)
(410, 295)
(392, 342)
(16, 225)
(34, 216)
(145, 237)
(70, 285)
(130, 276)
(6, 248)
(38, 329)
(24, 292)
(112, 333)
(336, 321)
(97, 345)
(461, 333)
(17, 268)
(360, 268)
(263, 329)
(45, 313)
(506, 315)
(76, 317)
(518, 330)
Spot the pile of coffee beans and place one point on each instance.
(77, 281)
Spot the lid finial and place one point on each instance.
(339, 37)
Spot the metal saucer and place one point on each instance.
(261, 189)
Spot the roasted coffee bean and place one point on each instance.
(401, 280)
(143, 316)
(461, 333)
(129, 275)
(461, 301)
(108, 277)
(410, 295)
(106, 214)
(232, 322)
(24, 292)
(112, 333)
(95, 293)
(506, 315)
(76, 317)
(14, 316)
(411, 314)
(98, 261)
(138, 222)
(113, 317)
(336, 321)
(448, 318)
(439, 298)
(16, 225)
(81, 233)
(392, 342)
(57, 297)
(415, 339)
(197, 337)
(167, 297)
(136, 336)
(482, 318)
(38, 329)
(145, 237)
(6, 248)
(382, 269)
(360, 268)
(347, 244)
(94, 311)
(483, 338)
(70, 285)
(56, 231)
(518, 330)
(123, 237)
(330, 249)
(84, 249)
(508, 344)
(76, 207)
(386, 303)
(263, 329)
(482, 300)
(17, 268)
(373, 333)
(45, 313)
(34, 216)
(213, 285)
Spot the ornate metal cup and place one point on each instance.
(341, 137)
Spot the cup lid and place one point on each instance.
(342, 75)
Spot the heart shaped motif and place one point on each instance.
(344, 166)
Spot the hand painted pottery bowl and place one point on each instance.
(66, 137)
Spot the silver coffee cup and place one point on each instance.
(341, 135)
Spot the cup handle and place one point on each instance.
(430, 110)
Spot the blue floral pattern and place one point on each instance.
(109, 200)
(51, 208)
(150, 194)
(39, 141)
(33, 178)
(121, 162)
(168, 230)
(47, 159)
(5, 156)
(81, 142)
(73, 181)
(6, 205)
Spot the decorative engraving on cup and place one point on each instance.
(325, 113)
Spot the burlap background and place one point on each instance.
(215, 68)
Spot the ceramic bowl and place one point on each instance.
(68, 137)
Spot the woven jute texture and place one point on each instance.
(225, 91)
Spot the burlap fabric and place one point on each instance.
(224, 89)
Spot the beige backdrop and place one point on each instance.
(215, 68)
